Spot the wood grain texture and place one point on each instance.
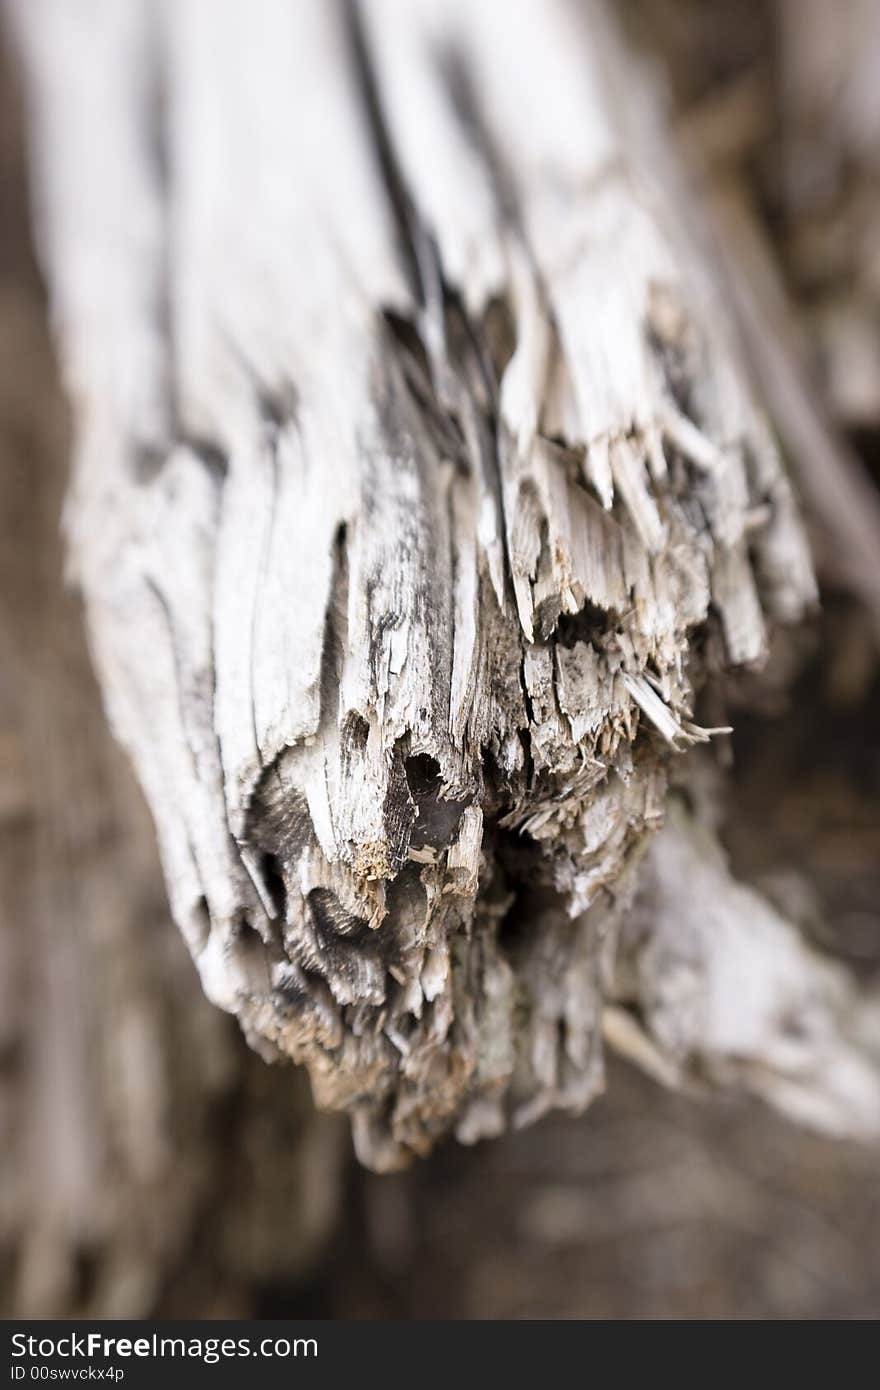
(151, 1165)
(419, 486)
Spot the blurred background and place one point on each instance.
(151, 1165)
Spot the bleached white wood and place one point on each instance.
(728, 992)
(449, 457)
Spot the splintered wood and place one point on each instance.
(417, 485)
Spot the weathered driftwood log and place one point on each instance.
(419, 487)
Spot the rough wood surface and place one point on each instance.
(151, 1164)
(419, 486)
